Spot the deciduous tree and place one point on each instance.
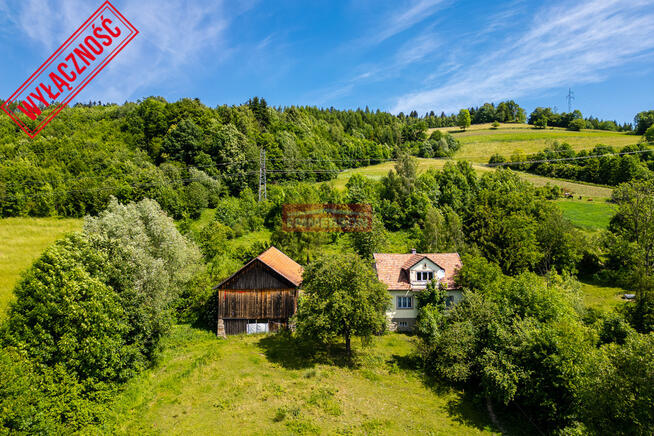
(342, 297)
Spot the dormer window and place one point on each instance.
(424, 276)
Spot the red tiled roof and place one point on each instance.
(282, 264)
(392, 268)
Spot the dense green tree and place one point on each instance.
(149, 265)
(342, 298)
(463, 119)
(65, 314)
(442, 231)
(616, 394)
(370, 241)
(643, 121)
(577, 124)
(649, 134)
(517, 341)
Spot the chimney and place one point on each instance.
(413, 251)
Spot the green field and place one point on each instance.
(480, 142)
(378, 171)
(261, 385)
(23, 240)
(592, 215)
(601, 297)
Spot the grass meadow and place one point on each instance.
(378, 171)
(590, 215)
(23, 240)
(480, 142)
(262, 384)
(602, 297)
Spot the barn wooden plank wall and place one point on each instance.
(257, 303)
(256, 275)
(239, 326)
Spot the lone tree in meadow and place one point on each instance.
(342, 297)
(463, 119)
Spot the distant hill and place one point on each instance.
(480, 141)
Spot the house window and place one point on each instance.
(404, 302)
(449, 301)
(425, 276)
(403, 324)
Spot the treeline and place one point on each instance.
(185, 154)
(505, 112)
(546, 116)
(602, 165)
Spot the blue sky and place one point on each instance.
(392, 55)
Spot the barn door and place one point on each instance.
(257, 327)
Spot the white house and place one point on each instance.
(407, 274)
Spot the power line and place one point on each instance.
(570, 97)
(591, 156)
(205, 166)
(280, 171)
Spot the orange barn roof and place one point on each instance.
(283, 264)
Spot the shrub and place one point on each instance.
(577, 124)
(64, 314)
(150, 264)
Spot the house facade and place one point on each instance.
(406, 274)
(261, 296)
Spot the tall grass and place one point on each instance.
(264, 385)
(22, 240)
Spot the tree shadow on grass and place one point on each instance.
(292, 352)
(470, 410)
(464, 408)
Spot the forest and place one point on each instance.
(142, 173)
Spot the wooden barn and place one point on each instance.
(261, 296)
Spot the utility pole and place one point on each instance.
(570, 97)
(263, 192)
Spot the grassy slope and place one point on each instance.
(378, 171)
(602, 297)
(591, 215)
(23, 240)
(259, 385)
(480, 141)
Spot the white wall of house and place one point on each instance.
(395, 312)
(456, 294)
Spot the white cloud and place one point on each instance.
(174, 37)
(398, 22)
(562, 45)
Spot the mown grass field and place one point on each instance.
(480, 142)
(23, 240)
(602, 297)
(378, 171)
(251, 385)
(591, 215)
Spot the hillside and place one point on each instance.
(23, 240)
(376, 172)
(262, 385)
(480, 141)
